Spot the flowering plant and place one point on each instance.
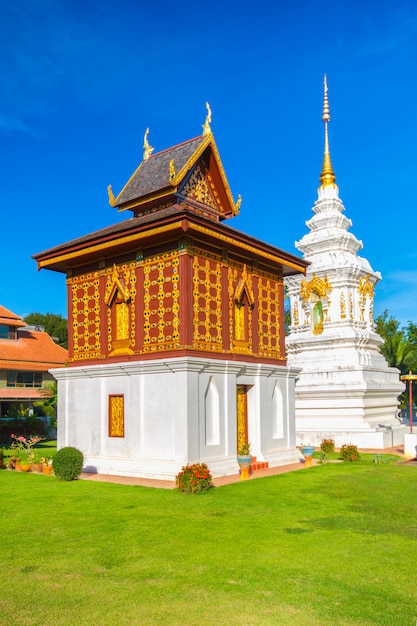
(26, 445)
(194, 478)
(349, 452)
(327, 445)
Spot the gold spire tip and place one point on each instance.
(327, 176)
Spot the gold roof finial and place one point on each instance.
(327, 176)
(206, 125)
(147, 149)
(112, 199)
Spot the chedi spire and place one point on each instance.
(327, 176)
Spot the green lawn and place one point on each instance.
(331, 545)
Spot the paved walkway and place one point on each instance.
(222, 480)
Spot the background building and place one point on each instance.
(26, 355)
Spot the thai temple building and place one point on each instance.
(176, 327)
(345, 390)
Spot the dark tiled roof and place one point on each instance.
(109, 231)
(153, 174)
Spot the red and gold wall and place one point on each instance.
(175, 301)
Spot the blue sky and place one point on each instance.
(81, 81)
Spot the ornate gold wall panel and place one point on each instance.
(241, 304)
(161, 302)
(120, 300)
(269, 318)
(207, 304)
(116, 416)
(85, 305)
(242, 415)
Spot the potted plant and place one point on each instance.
(26, 444)
(308, 451)
(36, 465)
(244, 459)
(46, 465)
(12, 462)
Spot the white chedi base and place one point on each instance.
(355, 405)
(410, 446)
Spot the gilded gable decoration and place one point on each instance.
(198, 188)
(119, 297)
(315, 287)
(116, 288)
(245, 285)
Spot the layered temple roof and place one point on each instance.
(180, 191)
(189, 173)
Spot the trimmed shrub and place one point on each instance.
(349, 452)
(194, 478)
(327, 445)
(68, 463)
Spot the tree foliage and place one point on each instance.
(400, 344)
(55, 325)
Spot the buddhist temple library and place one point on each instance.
(176, 327)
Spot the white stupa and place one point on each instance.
(345, 390)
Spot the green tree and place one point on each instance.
(55, 325)
(400, 344)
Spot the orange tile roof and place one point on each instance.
(9, 318)
(31, 351)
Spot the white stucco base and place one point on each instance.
(410, 445)
(352, 405)
(177, 411)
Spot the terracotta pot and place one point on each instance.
(23, 468)
(47, 469)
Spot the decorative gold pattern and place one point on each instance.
(116, 416)
(171, 170)
(316, 286)
(161, 302)
(85, 316)
(118, 241)
(295, 316)
(241, 409)
(269, 319)
(197, 188)
(366, 288)
(342, 306)
(207, 304)
(248, 248)
(350, 305)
